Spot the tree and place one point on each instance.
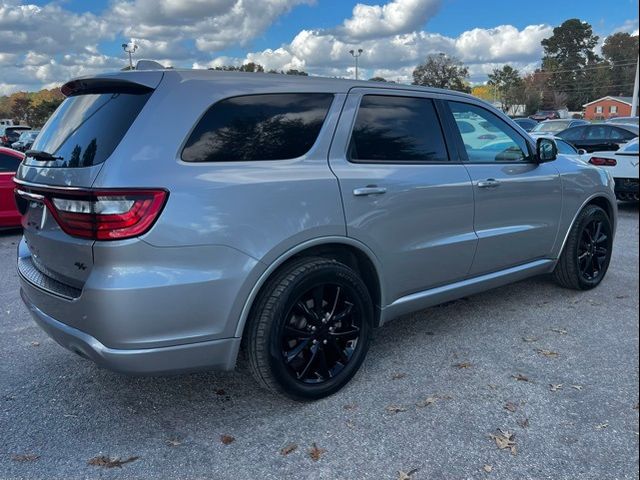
(442, 71)
(20, 105)
(484, 92)
(566, 55)
(377, 79)
(621, 51)
(293, 71)
(251, 67)
(508, 85)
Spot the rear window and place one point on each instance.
(397, 129)
(86, 129)
(258, 127)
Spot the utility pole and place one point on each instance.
(130, 48)
(356, 55)
(634, 101)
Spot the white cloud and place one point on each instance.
(397, 16)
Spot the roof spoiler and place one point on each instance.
(85, 86)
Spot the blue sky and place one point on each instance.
(43, 43)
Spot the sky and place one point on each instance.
(45, 43)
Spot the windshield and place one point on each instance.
(86, 129)
(550, 127)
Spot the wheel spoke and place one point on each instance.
(314, 354)
(602, 238)
(347, 334)
(318, 297)
(323, 367)
(309, 314)
(601, 251)
(344, 314)
(292, 354)
(294, 332)
(343, 356)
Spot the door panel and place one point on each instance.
(517, 202)
(417, 217)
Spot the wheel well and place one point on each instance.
(350, 256)
(604, 204)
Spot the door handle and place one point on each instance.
(369, 190)
(488, 183)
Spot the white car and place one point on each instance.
(623, 166)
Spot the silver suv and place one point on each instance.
(172, 217)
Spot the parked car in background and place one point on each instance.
(11, 133)
(25, 140)
(542, 115)
(525, 123)
(6, 121)
(623, 166)
(599, 136)
(626, 120)
(551, 127)
(9, 161)
(367, 202)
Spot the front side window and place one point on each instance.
(491, 139)
(572, 134)
(565, 148)
(596, 132)
(258, 127)
(397, 129)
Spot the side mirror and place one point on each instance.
(546, 150)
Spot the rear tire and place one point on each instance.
(310, 329)
(585, 259)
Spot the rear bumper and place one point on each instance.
(214, 354)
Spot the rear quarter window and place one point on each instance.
(277, 126)
(8, 163)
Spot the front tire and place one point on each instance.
(585, 259)
(310, 329)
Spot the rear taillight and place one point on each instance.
(4, 139)
(100, 214)
(603, 162)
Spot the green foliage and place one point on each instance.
(31, 108)
(509, 86)
(621, 51)
(442, 71)
(377, 79)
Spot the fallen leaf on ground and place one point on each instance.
(601, 426)
(35, 344)
(426, 402)
(174, 442)
(398, 376)
(395, 409)
(487, 468)
(292, 447)
(463, 365)
(349, 407)
(523, 423)
(512, 407)
(521, 378)
(406, 475)
(315, 453)
(530, 339)
(505, 440)
(27, 457)
(350, 424)
(554, 387)
(577, 387)
(227, 439)
(560, 331)
(107, 462)
(492, 386)
(547, 353)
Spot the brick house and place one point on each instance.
(607, 107)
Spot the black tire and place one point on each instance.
(283, 307)
(571, 272)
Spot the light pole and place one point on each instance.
(355, 55)
(130, 48)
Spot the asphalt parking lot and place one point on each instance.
(558, 369)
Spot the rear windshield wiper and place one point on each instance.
(41, 155)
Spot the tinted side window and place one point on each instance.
(8, 163)
(596, 132)
(621, 134)
(491, 139)
(397, 129)
(572, 134)
(258, 127)
(565, 148)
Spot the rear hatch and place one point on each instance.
(54, 181)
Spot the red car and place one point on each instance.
(9, 161)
